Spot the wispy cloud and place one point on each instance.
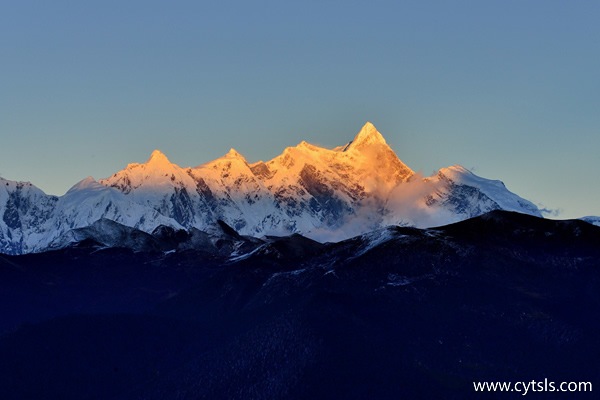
(550, 212)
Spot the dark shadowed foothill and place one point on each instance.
(395, 313)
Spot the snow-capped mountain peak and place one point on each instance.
(158, 158)
(368, 135)
(233, 153)
(157, 161)
(475, 195)
(88, 183)
(156, 175)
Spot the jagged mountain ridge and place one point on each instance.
(325, 194)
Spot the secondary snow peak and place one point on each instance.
(84, 184)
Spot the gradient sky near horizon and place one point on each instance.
(509, 89)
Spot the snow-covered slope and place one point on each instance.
(325, 194)
(592, 220)
(225, 189)
(455, 194)
(24, 209)
(32, 221)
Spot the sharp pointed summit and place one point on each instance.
(158, 157)
(233, 153)
(368, 135)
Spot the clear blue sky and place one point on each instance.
(508, 88)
